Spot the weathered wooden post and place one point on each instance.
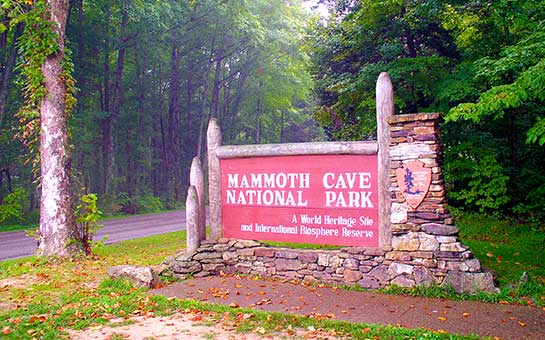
(385, 109)
(192, 220)
(196, 179)
(214, 179)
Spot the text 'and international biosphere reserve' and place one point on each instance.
(322, 199)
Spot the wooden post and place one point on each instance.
(385, 109)
(192, 220)
(214, 179)
(196, 179)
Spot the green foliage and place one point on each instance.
(472, 167)
(36, 44)
(87, 216)
(11, 210)
(480, 64)
(137, 204)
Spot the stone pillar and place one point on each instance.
(426, 234)
(192, 220)
(214, 179)
(385, 109)
(196, 179)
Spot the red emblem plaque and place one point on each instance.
(414, 181)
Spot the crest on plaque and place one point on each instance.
(414, 181)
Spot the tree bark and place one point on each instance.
(107, 121)
(57, 224)
(6, 71)
(173, 149)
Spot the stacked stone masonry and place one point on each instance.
(424, 249)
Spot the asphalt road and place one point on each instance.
(16, 244)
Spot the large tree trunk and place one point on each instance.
(57, 223)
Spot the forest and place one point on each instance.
(145, 76)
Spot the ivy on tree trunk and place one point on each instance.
(57, 222)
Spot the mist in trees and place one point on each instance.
(149, 75)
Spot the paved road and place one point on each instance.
(16, 244)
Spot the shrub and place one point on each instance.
(12, 208)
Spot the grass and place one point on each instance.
(54, 295)
(42, 298)
(16, 227)
(507, 248)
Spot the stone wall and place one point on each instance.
(424, 246)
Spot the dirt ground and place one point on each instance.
(182, 326)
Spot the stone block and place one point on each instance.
(398, 256)
(473, 264)
(351, 263)
(239, 244)
(365, 269)
(423, 276)
(308, 257)
(380, 273)
(323, 259)
(403, 281)
(427, 243)
(408, 151)
(244, 268)
(321, 275)
(471, 282)
(352, 276)
(453, 247)
(287, 254)
(447, 239)
(245, 252)
(408, 242)
(374, 252)
(213, 267)
(369, 283)
(265, 252)
(399, 213)
(229, 256)
(139, 276)
(288, 264)
(207, 255)
(397, 268)
(335, 261)
(221, 247)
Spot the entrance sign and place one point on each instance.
(386, 200)
(319, 199)
(414, 182)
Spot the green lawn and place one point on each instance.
(41, 298)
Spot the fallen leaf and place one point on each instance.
(260, 330)
(234, 305)
(489, 254)
(442, 318)
(522, 324)
(366, 330)
(466, 314)
(6, 330)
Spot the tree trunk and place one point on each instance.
(203, 118)
(6, 71)
(107, 121)
(57, 224)
(172, 148)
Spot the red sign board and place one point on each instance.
(319, 199)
